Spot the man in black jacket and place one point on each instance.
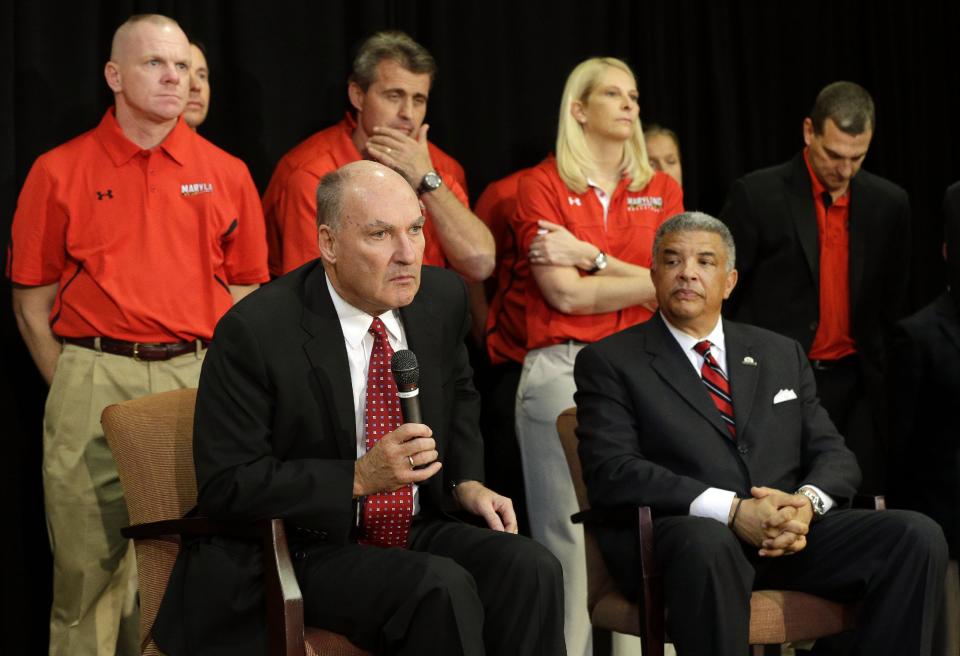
(823, 251)
(286, 427)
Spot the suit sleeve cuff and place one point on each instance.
(713, 503)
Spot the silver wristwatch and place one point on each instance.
(819, 510)
(431, 182)
(599, 263)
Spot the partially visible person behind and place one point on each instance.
(663, 151)
(924, 385)
(717, 427)
(128, 244)
(584, 221)
(389, 89)
(198, 102)
(498, 311)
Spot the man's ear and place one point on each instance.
(808, 131)
(326, 239)
(356, 95)
(731, 282)
(112, 74)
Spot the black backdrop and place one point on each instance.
(734, 79)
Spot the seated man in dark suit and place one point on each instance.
(716, 426)
(297, 417)
(924, 386)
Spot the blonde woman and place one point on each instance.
(585, 220)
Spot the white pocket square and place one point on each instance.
(784, 395)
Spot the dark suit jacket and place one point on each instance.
(650, 434)
(924, 393)
(774, 224)
(275, 436)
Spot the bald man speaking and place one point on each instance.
(128, 244)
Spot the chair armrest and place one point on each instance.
(870, 502)
(284, 599)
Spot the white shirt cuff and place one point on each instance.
(713, 503)
(828, 502)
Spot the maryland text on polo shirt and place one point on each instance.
(627, 234)
(143, 243)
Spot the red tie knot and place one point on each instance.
(703, 347)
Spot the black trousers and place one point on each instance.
(458, 589)
(844, 395)
(893, 562)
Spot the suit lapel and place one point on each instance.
(743, 370)
(424, 337)
(799, 198)
(327, 353)
(672, 365)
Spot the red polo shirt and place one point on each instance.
(143, 243)
(832, 340)
(506, 329)
(290, 202)
(632, 220)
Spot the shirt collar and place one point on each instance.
(687, 342)
(817, 187)
(121, 149)
(356, 323)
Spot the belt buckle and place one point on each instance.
(136, 351)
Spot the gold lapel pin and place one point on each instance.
(749, 361)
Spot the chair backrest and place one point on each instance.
(152, 442)
(599, 581)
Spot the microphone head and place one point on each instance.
(405, 368)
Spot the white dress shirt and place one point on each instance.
(715, 502)
(355, 324)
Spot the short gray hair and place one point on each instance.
(330, 198)
(395, 45)
(696, 222)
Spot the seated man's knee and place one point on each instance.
(698, 543)
(924, 533)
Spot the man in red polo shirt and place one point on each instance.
(823, 253)
(388, 89)
(128, 244)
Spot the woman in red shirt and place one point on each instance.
(585, 221)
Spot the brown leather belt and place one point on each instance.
(138, 350)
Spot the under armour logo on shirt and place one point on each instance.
(105, 194)
(573, 200)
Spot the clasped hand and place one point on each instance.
(775, 521)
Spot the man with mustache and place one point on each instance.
(388, 91)
(824, 253)
(716, 426)
(297, 417)
(128, 244)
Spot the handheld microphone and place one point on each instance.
(406, 373)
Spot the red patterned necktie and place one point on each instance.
(717, 385)
(386, 515)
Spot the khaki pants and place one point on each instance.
(94, 570)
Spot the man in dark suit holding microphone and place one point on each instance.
(298, 417)
(717, 426)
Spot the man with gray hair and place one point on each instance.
(298, 417)
(388, 92)
(716, 426)
(824, 259)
